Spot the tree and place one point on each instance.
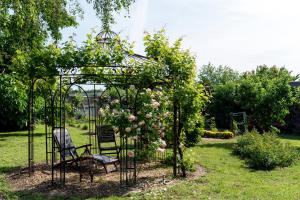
(27, 25)
(264, 94)
(209, 75)
(13, 98)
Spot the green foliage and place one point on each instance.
(26, 25)
(13, 106)
(275, 130)
(189, 161)
(209, 75)
(105, 10)
(180, 67)
(265, 151)
(264, 94)
(212, 124)
(218, 134)
(235, 128)
(85, 127)
(193, 137)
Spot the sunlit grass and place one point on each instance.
(227, 176)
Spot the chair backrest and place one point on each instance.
(105, 134)
(63, 134)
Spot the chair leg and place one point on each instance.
(105, 168)
(116, 166)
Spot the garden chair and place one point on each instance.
(70, 151)
(107, 142)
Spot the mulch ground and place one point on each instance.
(150, 176)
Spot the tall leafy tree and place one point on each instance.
(264, 94)
(210, 75)
(29, 24)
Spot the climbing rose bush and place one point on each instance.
(145, 118)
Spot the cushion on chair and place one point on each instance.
(105, 159)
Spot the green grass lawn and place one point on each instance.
(227, 176)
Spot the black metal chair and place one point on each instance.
(107, 141)
(69, 151)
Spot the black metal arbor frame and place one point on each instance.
(55, 116)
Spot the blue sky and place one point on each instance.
(238, 33)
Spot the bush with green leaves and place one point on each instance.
(188, 161)
(264, 94)
(265, 151)
(218, 134)
(85, 127)
(193, 137)
(13, 107)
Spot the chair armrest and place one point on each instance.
(69, 148)
(83, 146)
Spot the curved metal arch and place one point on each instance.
(31, 122)
(106, 80)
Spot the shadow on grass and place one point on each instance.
(9, 169)
(16, 134)
(290, 137)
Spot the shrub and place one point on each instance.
(218, 134)
(265, 151)
(72, 122)
(235, 128)
(168, 160)
(188, 161)
(85, 127)
(189, 164)
(192, 137)
(212, 124)
(275, 130)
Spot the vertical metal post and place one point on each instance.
(175, 137)
(46, 131)
(52, 141)
(95, 124)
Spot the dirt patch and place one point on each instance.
(150, 176)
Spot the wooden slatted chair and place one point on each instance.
(107, 142)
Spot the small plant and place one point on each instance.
(189, 164)
(235, 128)
(85, 127)
(168, 160)
(274, 130)
(265, 151)
(192, 137)
(213, 125)
(72, 122)
(188, 161)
